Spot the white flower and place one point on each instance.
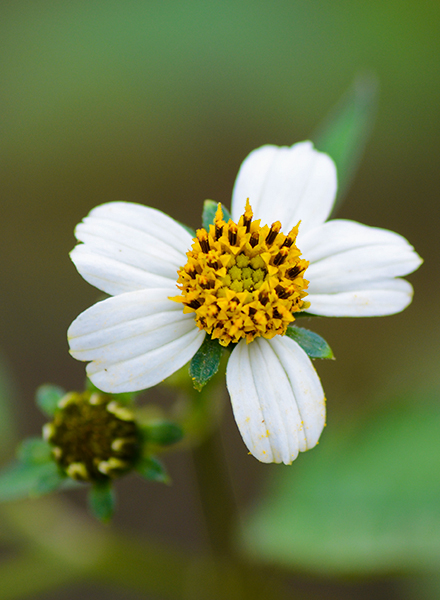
(140, 336)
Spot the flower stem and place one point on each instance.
(216, 493)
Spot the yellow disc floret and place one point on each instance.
(243, 280)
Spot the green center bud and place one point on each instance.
(93, 437)
(246, 274)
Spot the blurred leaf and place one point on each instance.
(366, 501)
(34, 451)
(313, 344)
(205, 362)
(345, 132)
(47, 398)
(23, 480)
(101, 500)
(162, 432)
(150, 468)
(209, 210)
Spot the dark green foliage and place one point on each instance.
(205, 362)
(312, 343)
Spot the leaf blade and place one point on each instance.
(205, 363)
(313, 344)
(208, 214)
(345, 132)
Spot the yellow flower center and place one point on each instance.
(243, 280)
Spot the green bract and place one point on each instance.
(208, 214)
(205, 363)
(313, 344)
(101, 499)
(152, 469)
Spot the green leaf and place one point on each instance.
(345, 132)
(24, 480)
(209, 210)
(205, 362)
(312, 343)
(47, 398)
(34, 451)
(152, 469)
(365, 501)
(162, 432)
(102, 501)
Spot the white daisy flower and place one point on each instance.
(241, 282)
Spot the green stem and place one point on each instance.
(216, 493)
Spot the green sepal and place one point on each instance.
(189, 229)
(34, 451)
(47, 398)
(20, 480)
(345, 132)
(313, 344)
(208, 214)
(161, 432)
(205, 362)
(152, 469)
(102, 501)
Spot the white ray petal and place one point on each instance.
(135, 340)
(353, 267)
(286, 184)
(113, 276)
(380, 298)
(277, 398)
(127, 247)
(346, 256)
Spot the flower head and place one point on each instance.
(93, 437)
(241, 282)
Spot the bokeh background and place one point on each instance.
(159, 103)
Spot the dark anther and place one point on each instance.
(264, 298)
(294, 272)
(218, 231)
(287, 242)
(276, 314)
(195, 304)
(252, 311)
(204, 244)
(192, 273)
(213, 264)
(274, 230)
(281, 256)
(232, 234)
(247, 222)
(254, 239)
(282, 292)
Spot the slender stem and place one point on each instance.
(216, 493)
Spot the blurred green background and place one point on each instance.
(159, 103)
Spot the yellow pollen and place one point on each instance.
(243, 280)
